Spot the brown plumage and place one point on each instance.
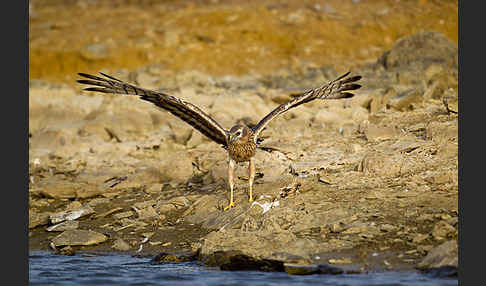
(241, 149)
(240, 141)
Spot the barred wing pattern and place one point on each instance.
(333, 90)
(186, 111)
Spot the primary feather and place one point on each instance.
(186, 111)
(335, 89)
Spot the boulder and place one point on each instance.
(441, 260)
(79, 237)
(423, 49)
(255, 249)
(235, 260)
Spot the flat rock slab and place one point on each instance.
(79, 237)
(63, 226)
(71, 214)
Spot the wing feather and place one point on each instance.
(335, 89)
(186, 111)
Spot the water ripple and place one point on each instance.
(48, 269)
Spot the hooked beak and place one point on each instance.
(231, 137)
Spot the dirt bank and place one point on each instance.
(222, 37)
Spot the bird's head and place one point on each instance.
(238, 133)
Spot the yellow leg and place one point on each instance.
(231, 167)
(251, 177)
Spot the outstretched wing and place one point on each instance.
(333, 90)
(180, 108)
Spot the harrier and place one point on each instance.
(240, 141)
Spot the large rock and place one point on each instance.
(79, 237)
(57, 188)
(443, 255)
(37, 219)
(254, 247)
(423, 49)
(63, 190)
(441, 260)
(235, 260)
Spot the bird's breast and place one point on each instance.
(242, 152)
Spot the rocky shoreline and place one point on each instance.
(364, 184)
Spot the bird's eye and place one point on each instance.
(238, 133)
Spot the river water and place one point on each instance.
(46, 268)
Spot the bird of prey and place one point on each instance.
(240, 141)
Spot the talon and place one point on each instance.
(231, 205)
(250, 199)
